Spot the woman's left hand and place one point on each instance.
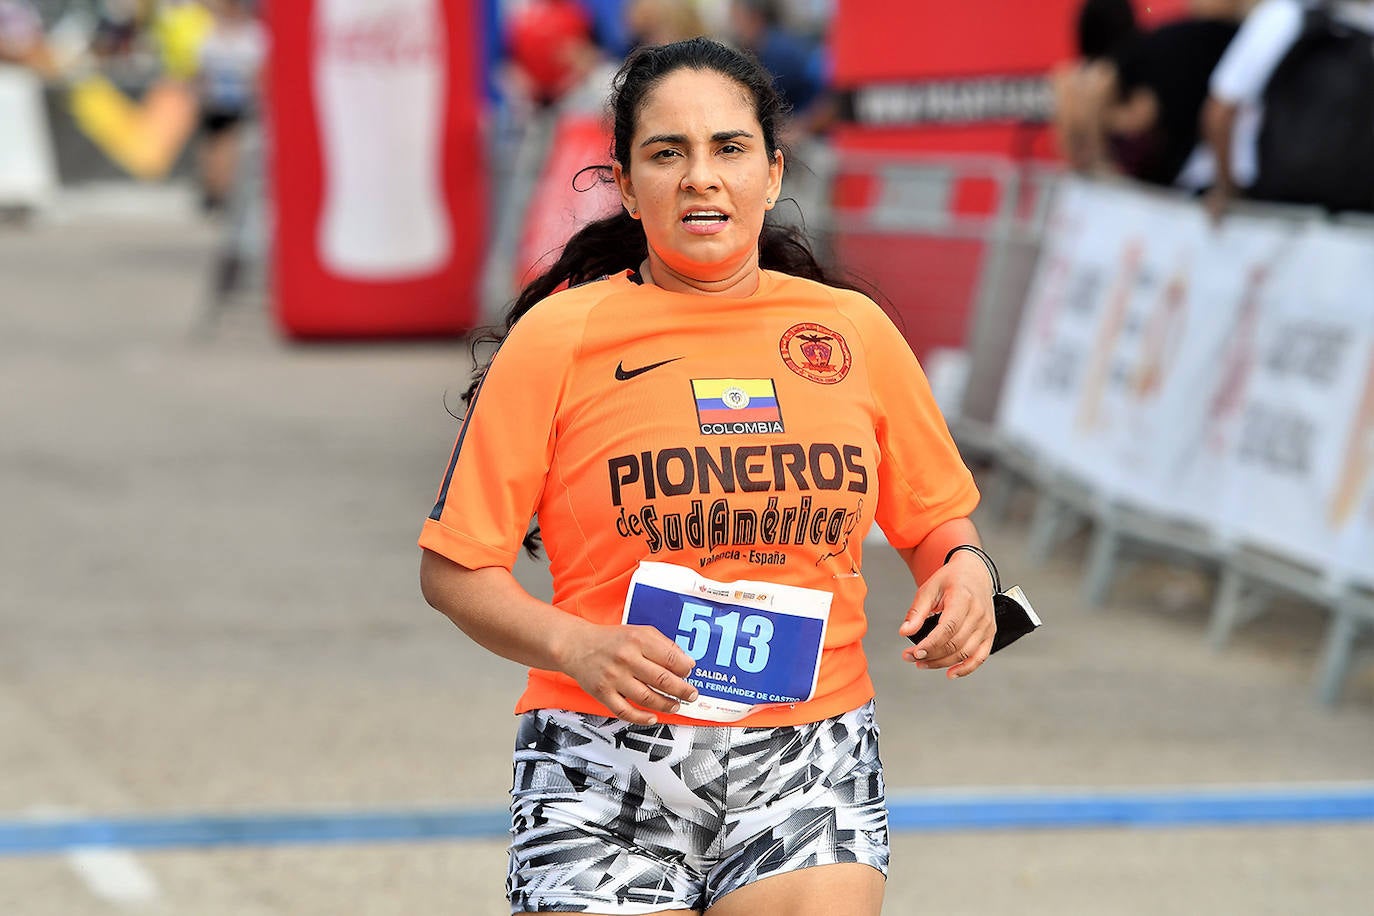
(961, 593)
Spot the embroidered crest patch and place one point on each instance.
(816, 353)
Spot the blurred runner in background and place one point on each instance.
(229, 79)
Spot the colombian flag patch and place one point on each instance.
(737, 405)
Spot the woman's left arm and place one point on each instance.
(960, 591)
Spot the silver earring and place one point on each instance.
(768, 200)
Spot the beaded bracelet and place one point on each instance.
(987, 560)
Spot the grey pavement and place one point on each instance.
(208, 603)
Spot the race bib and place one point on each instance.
(754, 644)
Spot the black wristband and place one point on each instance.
(987, 561)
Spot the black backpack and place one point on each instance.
(1316, 145)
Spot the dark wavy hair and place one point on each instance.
(617, 243)
(1105, 27)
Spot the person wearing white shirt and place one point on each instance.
(1234, 111)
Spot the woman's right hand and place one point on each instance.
(634, 671)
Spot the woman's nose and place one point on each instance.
(701, 174)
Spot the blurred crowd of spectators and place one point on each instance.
(212, 50)
(59, 38)
(561, 52)
(1263, 99)
(542, 55)
(550, 45)
(1270, 100)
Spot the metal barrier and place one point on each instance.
(951, 243)
(1249, 578)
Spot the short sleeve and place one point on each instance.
(501, 459)
(923, 482)
(1264, 38)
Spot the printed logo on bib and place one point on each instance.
(737, 406)
(754, 644)
(816, 353)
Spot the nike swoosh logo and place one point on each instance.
(624, 375)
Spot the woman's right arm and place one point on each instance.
(622, 667)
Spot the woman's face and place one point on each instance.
(699, 179)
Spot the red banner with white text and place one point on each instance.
(964, 77)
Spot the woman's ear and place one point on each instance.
(775, 170)
(627, 190)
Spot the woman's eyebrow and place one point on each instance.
(719, 136)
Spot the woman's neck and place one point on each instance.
(739, 284)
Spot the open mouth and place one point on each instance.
(704, 217)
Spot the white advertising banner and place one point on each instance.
(1182, 358)
(28, 171)
(1222, 376)
(1088, 263)
(1299, 469)
(1352, 499)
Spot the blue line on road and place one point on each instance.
(1165, 808)
(908, 811)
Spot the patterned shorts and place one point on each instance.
(610, 817)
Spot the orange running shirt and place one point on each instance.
(756, 438)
